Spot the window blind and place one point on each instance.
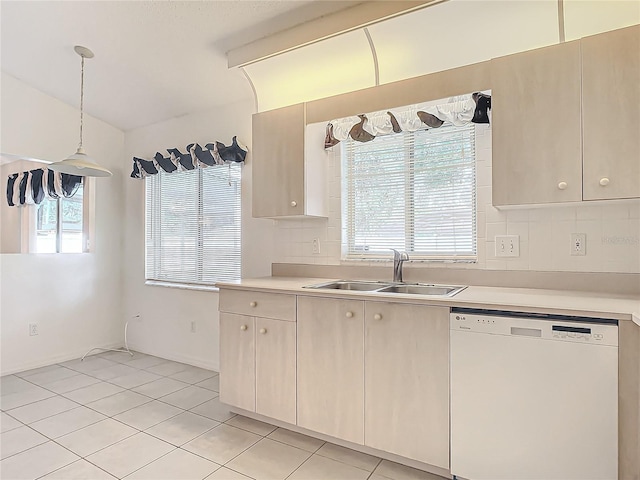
(193, 225)
(412, 191)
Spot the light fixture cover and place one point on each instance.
(80, 163)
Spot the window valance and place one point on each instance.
(459, 111)
(33, 186)
(215, 153)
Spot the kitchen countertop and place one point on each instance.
(560, 302)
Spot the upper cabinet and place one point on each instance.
(286, 181)
(537, 152)
(566, 120)
(611, 114)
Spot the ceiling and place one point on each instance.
(154, 60)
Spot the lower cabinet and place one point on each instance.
(258, 365)
(406, 357)
(331, 367)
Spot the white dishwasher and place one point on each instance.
(533, 397)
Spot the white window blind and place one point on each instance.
(412, 191)
(193, 225)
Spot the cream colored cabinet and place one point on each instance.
(258, 355)
(407, 381)
(611, 114)
(536, 126)
(288, 174)
(330, 381)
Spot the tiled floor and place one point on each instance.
(143, 417)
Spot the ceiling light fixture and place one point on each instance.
(80, 163)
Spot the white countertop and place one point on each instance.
(585, 304)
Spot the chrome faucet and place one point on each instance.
(398, 259)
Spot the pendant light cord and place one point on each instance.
(81, 100)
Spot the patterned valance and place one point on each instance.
(216, 153)
(33, 186)
(458, 111)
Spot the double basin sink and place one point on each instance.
(382, 287)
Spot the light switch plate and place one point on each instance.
(507, 245)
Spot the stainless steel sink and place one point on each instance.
(421, 289)
(382, 287)
(350, 285)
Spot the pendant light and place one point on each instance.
(80, 163)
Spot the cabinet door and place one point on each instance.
(277, 160)
(407, 381)
(237, 361)
(331, 367)
(276, 369)
(536, 129)
(611, 114)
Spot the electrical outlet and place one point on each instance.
(507, 246)
(315, 246)
(33, 329)
(578, 244)
(193, 326)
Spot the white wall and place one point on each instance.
(74, 298)
(164, 326)
(612, 229)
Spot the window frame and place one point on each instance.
(349, 253)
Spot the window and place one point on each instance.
(59, 224)
(193, 225)
(412, 191)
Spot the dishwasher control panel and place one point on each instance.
(545, 328)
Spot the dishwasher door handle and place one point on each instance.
(526, 332)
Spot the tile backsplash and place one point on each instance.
(612, 229)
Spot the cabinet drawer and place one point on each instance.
(258, 304)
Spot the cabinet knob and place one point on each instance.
(562, 185)
(253, 304)
(349, 314)
(243, 327)
(263, 330)
(604, 181)
(294, 203)
(377, 316)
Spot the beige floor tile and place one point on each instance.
(177, 464)
(146, 362)
(221, 443)
(130, 454)
(148, 415)
(351, 457)
(167, 368)
(295, 439)
(118, 403)
(43, 409)
(93, 392)
(189, 397)
(121, 357)
(215, 410)
(76, 382)
(160, 388)
(19, 440)
(114, 371)
(89, 364)
(95, 437)
(50, 376)
(11, 384)
(318, 467)
(36, 462)
(269, 460)
(8, 423)
(67, 422)
(212, 383)
(139, 377)
(193, 375)
(182, 428)
(35, 371)
(28, 395)
(251, 425)
(80, 470)
(226, 474)
(396, 471)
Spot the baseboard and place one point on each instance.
(30, 365)
(194, 361)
